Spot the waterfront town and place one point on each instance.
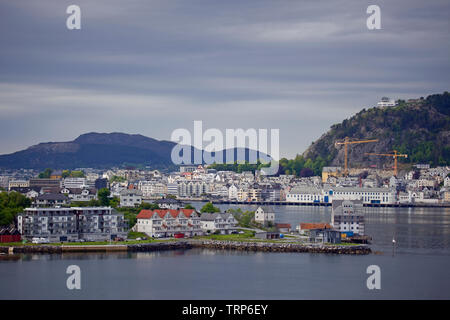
(70, 206)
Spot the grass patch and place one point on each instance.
(134, 235)
(229, 237)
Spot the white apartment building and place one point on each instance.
(130, 198)
(74, 183)
(192, 189)
(224, 223)
(166, 223)
(152, 188)
(347, 216)
(70, 224)
(172, 188)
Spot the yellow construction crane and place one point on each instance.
(395, 155)
(346, 142)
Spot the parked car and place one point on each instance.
(39, 240)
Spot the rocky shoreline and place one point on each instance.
(189, 244)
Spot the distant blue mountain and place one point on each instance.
(96, 150)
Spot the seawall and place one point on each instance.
(189, 244)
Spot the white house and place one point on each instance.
(130, 198)
(263, 217)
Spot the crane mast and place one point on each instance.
(347, 142)
(394, 155)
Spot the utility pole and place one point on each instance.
(393, 246)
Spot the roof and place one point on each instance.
(283, 225)
(213, 216)
(310, 226)
(168, 201)
(52, 196)
(126, 192)
(148, 214)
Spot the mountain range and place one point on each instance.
(417, 127)
(101, 150)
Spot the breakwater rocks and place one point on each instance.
(159, 246)
(33, 249)
(206, 244)
(282, 247)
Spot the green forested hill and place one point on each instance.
(417, 127)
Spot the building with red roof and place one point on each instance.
(168, 222)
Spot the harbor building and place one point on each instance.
(306, 195)
(366, 195)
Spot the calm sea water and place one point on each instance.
(420, 267)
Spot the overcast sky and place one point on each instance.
(149, 67)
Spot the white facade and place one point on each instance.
(130, 198)
(305, 195)
(386, 102)
(166, 223)
(18, 184)
(367, 195)
(263, 217)
(347, 216)
(152, 188)
(224, 223)
(70, 224)
(73, 183)
(232, 192)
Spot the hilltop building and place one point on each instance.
(386, 102)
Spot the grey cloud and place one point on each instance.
(152, 66)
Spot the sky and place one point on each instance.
(150, 67)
